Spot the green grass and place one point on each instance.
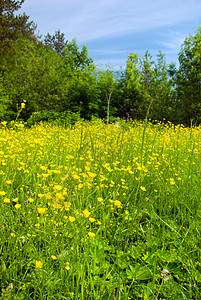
(99, 211)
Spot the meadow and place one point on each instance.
(100, 211)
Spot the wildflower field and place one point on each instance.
(99, 211)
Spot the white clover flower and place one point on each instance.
(22, 238)
(164, 275)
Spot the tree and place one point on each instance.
(162, 90)
(188, 79)
(35, 77)
(105, 86)
(12, 27)
(137, 85)
(75, 59)
(56, 42)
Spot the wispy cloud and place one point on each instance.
(92, 19)
(117, 25)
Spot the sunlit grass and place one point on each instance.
(100, 211)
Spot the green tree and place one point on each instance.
(12, 26)
(147, 82)
(48, 81)
(106, 86)
(35, 77)
(56, 42)
(162, 90)
(75, 59)
(188, 79)
(137, 85)
(80, 81)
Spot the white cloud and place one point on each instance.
(95, 22)
(93, 19)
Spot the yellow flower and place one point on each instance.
(58, 187)
(15, 200)
(2, 193)
(91, 175)
(67, 267)
(44, 168)
(4, 123)
(9, 181)
(39, 264)
(100, 199)
(117, 203)
(53, 257)
(71, 219)
(31, 200)
(143, 188)
(22, 105)
(41, 195)
(86, 213)
(92, 220)
(6, 200)
(67, 204)
(91, 234)
(59, 196)
(75, 176)
(17, 206)
(13, 234)
(56, 205)
(48, 196)
(41, 210)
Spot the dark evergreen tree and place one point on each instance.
(12, 26)
(56, 42)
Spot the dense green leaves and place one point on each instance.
(56, 42)
(12, 27)
(55, 75)
(188, 79)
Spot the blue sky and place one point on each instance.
(111, 29)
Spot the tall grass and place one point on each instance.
(100, 212)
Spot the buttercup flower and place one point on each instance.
(39, 264)
(71, 219)
(86, 213)
(91, 234)
(2, 193)
(117, 203)
(17, 206)
(92, 220)
(54, 257)
(41, 210)
(6, 200)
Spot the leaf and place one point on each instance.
(3, 266)
(139, 273)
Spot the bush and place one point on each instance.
(58, 118)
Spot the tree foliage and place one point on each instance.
(12, 26)
(188, 79)
(57, 76)
(56, 42)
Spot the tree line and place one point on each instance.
(54, 78)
